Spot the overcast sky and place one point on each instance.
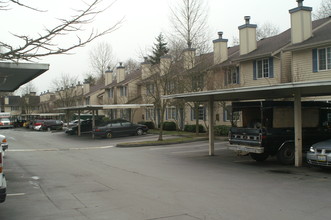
(144, 20)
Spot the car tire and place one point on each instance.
(108, 135)
(286, 154)
(140, 131)
(259, 157)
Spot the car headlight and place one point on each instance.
(312, 149)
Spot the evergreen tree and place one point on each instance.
(160, 49)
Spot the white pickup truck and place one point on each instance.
(3, 184)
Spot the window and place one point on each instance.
(150, 89)
(197, 83)
(202, 113)
(87, 100)
(123, 90)
(263, 68)
(150, 114)
(171, 87)
(171, 113)
(231, 76)
(111, 93)
(324, 58)
(15, 108)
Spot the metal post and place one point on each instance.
(211, 125)
(78, 130)
(93, 123)
(298, 129)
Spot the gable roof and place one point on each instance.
(269, 46)
(129, 77)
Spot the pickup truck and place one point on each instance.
(3, 184)
(266, 128)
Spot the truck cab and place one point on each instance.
(266, 128)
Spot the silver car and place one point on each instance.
(320, 154)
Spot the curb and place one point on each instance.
(127, 145)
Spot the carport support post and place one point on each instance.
(93, 123)
(211, 125)
(78, 123)
(298, 129)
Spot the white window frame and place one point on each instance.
(171, 113)
(262, 68)
(327, 58)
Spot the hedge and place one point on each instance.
(169, 126)
(221, 130)
(191, 128)
(149, 124)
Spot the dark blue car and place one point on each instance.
(119, 127)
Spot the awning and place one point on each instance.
(100, 107)
(13, 75)
(285, 90)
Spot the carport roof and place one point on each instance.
(285, 90)
(13, 75)
(99, 107)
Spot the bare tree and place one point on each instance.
(189, 21)
(101, 57)
(44, 44)
(67, 93)
(324, 10)
(265, 30)
(27, 89)
(29, 102)
(131, 65)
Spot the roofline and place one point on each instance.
(272, 89)
(308, 46)
(100, 107)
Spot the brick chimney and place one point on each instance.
(146, 68)
(247, 37)
(189, 58)
(108, 76)
(120, 73)
(301, 23)
(220, 49)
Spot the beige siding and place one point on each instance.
(286, 62)
(303, 68)
(246, 73)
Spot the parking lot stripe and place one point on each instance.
(59, 149)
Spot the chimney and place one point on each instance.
(301, 23)
(86, 88)
(120, 73)
(189, 58)
(220, 49)
(165, 62)
(146, 68)
(108, 76)
(247, 37)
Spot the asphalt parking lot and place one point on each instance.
(55, 176)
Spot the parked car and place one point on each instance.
(71, 123)
(51, 125)
(3, 142)
(3, 183)
(6, 123)
(119, 127)
(36, 124)
(85, 126)
(319, 154)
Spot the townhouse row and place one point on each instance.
(301, 53)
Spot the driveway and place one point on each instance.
(54, 176)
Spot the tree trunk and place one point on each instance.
(196, 109)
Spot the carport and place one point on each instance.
(13, 75)
(294, 91)
(95, 108)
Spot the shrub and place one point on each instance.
(169, 126)
(149, 124)
(191, 128)
(222, 130)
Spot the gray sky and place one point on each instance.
(144, 20)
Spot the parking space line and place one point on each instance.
(16, 194)
(59, 149)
